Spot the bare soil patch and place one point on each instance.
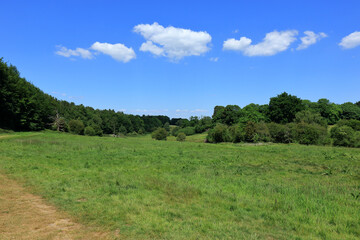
(27, 216)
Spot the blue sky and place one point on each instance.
(184, 58)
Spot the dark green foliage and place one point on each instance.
(89, 131)
(159, 134)
(237, 133)
(330, 111)
(343, 136)
(204, 124)
(279, 133)
(122, 130)
(350, 111)
(354, 124)
(253, 113)
(305, 133)
(282, 109)
(181, 137)
(250, 132)
(228, 115)
(22, 105)
(76, 126)
(220, 133)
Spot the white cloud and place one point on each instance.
(214, 59)
(78, 52)
(174, 43)
(150, 47)
(117, 51)
(273, 43)
(310, 39)
(350, 41)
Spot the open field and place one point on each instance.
(147, 189)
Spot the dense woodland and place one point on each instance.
(286, 119)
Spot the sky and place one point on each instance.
(182, 58)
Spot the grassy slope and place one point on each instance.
(173, 190)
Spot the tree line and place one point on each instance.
(24, 107)
(286, 118)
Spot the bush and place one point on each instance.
(344, 136)
(220, 133)
(237, 133)
(89, 131)
(76, 126)
(354, 124)
(279, 133)
(262, 131)
(181, 137)
(187, 131)
(307, 134)
(159, 134)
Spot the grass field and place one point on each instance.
(148, 189)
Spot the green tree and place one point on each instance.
(350, 111)
(89, 131)
(282, 109)
(159, 134)
(76, 126)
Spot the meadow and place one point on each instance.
(148, 189)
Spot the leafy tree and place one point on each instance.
(89, 131)
(167, 126)
(220, 133)
(159, 134)
(122, 130)
(330, 111)
(350, 111)
(282, 109)
(252, 113)
(76, 126)
(343, 136)
(228, 115)
(310, 117)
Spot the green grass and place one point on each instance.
(151, 189)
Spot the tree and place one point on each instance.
(89, 131)
(76, 126)
(310, 117)
(350, 111)
(59, 123)
(159, 134)
(282, 109)
(330, 111)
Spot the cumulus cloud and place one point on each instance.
(350, 41)
(310, 38)
(171, 42)
(117, 51)
(214, 59)
(78, 52)
(273, 43)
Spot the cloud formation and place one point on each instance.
(171, 42)
(117, 51)
(350, 41)
(310, 39)
(273, 43)
(78, 52)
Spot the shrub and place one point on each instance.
(187, 131)
(343, 136)
(89, 131)
(354, 124)
(97, 129)
(181, 137)
(305, 133)
(262, 131)
(220, 133)
(122, 130)
(250, 132)
(279, 133)
(76, 126)
(159, 134)
(237, 133)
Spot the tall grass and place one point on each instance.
(151, 189)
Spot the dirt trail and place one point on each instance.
(26, 216)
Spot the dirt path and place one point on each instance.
(26, 216)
